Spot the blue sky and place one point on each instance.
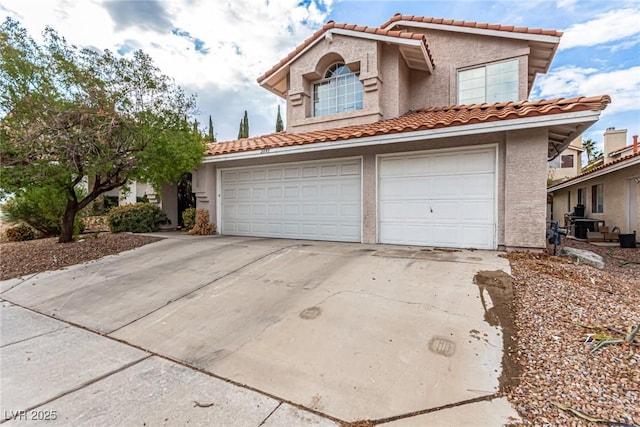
(217, 49)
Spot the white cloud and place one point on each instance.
(566, 4)
(622, 85)
(607, 27)
(243, 38)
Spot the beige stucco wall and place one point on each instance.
(453, 51)
(390, 87)
(522, 174)
(203, 184)
(618, 193)
(525, 182)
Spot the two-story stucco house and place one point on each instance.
(415, 133)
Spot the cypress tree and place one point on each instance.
(279, 124)
(246, 124)
(212, 138)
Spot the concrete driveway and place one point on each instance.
(278, 332)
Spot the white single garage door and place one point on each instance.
(438, 199)
(310, 200)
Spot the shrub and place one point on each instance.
(203, 227)
(20, 233)
(42, 208)
(136, 218)
(189, 218)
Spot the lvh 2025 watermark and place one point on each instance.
(32, 415)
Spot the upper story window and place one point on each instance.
(339, 91)
(489, 83)
(563, 161)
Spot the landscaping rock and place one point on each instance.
(583, 256)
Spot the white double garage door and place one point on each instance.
(443, 198)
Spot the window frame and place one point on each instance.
(597, 198)
(485, 66)
(340, 81)
(582, 196)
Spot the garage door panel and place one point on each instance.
(320, 201)
(477, 210)
(330, 170)
(438, 199)
(350, 210)
(445, 235)
(477, 236)
(479, 161)
(272, 175)
(350, 169)
(477, 185)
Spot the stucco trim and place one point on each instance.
(448, 132)
(613, 168)
(480, 31)
(495, 146)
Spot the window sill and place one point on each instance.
(337, 117)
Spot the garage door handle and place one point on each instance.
(430, 209)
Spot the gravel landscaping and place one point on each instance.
(33, 256)
(558, 306)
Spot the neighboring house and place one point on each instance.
(414, 133)
(569, 163)
(609, 191)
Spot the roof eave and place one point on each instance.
(270, 81)
(545, 38)
(582, 120)
(595, 174)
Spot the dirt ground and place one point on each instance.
(33, 256)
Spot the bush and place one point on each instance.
(189, 218)
(136, 218)
(42, 208)
(203, 227)
(20, 233)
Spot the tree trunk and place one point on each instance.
(68, 219)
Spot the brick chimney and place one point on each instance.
(614, 139)
(635, 144)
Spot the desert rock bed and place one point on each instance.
(33, 256)
(561, 308)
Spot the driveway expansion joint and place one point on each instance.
(437, 408)
(35, 336)
(270, 413)
(85, 384)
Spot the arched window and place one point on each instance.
(339, 91)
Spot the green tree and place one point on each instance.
(279, 124)
(67, 113)
(243, 131)
(589, 146)
(211, 137)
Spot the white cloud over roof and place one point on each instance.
(607, 27)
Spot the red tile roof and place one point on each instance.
(599, 168)
(621, 150)
(470, 24)
(401, 34)
(424, 119)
